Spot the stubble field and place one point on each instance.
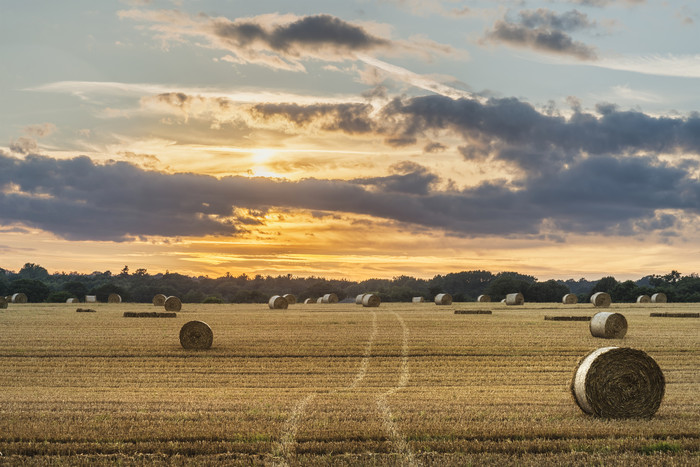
(402, 384)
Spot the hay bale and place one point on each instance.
(643, 299)
(443, 299)
(675, 315)
(608, 325)
(601, 299)
(567, 318)
(85, 310)
(114, 298)
(330, 298)
(172, 303)
(358, 299)
(91, 299)
(659, 298)
(159, 299)
(417, 300)
(503, 300)
(472, 312)
(483, 298)
(19, 298)
(515, 299)
(618, 382)
(309, 301)
(72, 300)
(291, 299)
(570, 299)
(149, 314)
(371, 300)
(319, 300)
(3, 303)
(277, 302)
(196, 335)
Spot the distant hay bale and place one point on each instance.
(618, 382)
(515, 299)
(150, 314)
(570, 299)
(72, 300)
(329, 298)
(358, 299)
(601, 299)
(417, 300)
(371, 300)
(90, 298)
(291, 299)
(567, 318)
(443, 299)
(3, 303)
(196, 335)
(19, 298)
(503, 300)
(159, 299)
(659, 298)
(277, 302)
(114, 298)
(319, 300)
(643, 299)
(85, 310)
(608, 325)
(483, 298)
(309, 301)
(172, 303)
(473, 312)
(675, 315)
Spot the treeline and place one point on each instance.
(140, 286)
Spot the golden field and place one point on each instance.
(402, 384)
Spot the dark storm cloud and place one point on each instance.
(348, 118)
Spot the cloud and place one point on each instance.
(604, 3)
(40, 130)
(682, 66)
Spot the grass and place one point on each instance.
(410, 384)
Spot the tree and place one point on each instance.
(606, 284)
(33, 271)
(626, 291)
(76, 289)
(549, 291)
(507, 283)
(36, 291)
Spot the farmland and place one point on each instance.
(402, 384)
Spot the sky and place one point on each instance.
(356, 139)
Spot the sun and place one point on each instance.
(263, 155)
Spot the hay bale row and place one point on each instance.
(329, 298)
(443, 299)
(473, 312)
(601, 299)
(197, 335)
(659, 298)
(616, 382)
(570, 299)
(149, 314)
(85, 310)
(483, 298)
(277, 302)
(567, 318)
(675, 315)
(114, 298)
(515, 299)
(18, 298)
(159, 299)
(172, 303)
(417, 300)
(371, 300)
(644, 299)
(608, 325)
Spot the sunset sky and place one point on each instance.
(352, 139)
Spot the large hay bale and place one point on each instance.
(659, 298)
(443, 299)
(309, 301)
(483, 298)
(618, 382)
(319, 300)
(330, 298)
(114, 298)
(3, 303)
(601, 299)
(643, 299)
(277, 302)
(19, 298)
(371, 300)
(159, 299)
(196, 335)
(91, 299)
(515, 299)
(172, 303)
(72, 300)
(358, 299)
(608, 325)
(570, 299)
(417, 300)
(291, 299)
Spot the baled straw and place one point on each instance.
(72, 300)
(358, 299)
(277, 303)
(159, 299)
(608, 325)
(150, 314)
(570, 299)
(443, 299)
(675, 315)
(417, 300)
(330, 298)
(291, 299)
(91, 299)
(601, 299)
(19, 298)
(196, 335)
(309, 301)
(473, 312)
(567, 318)
(483, 298)
(659, 298)
(371, 300)
(172, 303)
(114, 298)
(618, 382)
(3, 303)
(319, 300)
(85, 310)
(515, 299)
(643, 299)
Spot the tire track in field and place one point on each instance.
(285, 449)
(400, 445)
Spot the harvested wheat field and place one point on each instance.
(402, 384)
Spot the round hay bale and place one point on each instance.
(291, 299)
(277, 302)
(72, 300)
(159, 299)
(114, 298)
(330, 298)
(3, 303)
(570, 299)
(371, 300)
(643, 299)
(358, 299)
(19, 298)
(659, 298)
(196, 335)
(515, 299)
(172, 303)
(618, 382)
(608, 325)
(601, 299)
(503, 300)
(443, 299)
(309, 301)
(483, 298)
(319, 300)
(417, 300)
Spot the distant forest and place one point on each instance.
(140, 286)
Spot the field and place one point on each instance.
(402, 384)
